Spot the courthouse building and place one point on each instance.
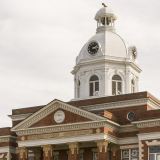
(108, 118)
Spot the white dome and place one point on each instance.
(111, 45)
(105, 11)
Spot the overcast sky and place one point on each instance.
(39, 41)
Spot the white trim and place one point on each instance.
(129, 146)
(128, 128)
(61, 140)
(65, 127)
(153, 143)
(147, 123)
(37, 116)
(8, 149)
(147, 136)
(128, 140)
(19, 116)
(1, 156)
(8, 138)
(115, 105)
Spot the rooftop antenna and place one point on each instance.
(104, 5)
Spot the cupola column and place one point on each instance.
(128, 81)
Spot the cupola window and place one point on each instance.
(116, 85)
(78, 89)
(94, 86)
(132, 86)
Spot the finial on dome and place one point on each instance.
(104, 5)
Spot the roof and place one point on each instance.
(105, 11)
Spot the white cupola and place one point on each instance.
(106, 65)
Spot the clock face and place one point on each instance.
(93, 48)
(134, 53)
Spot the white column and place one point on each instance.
(105, 21)
(111, 21)
(128, 81)
(137, 85)
(105, 82)
(75, 88)
(99, 21)
(82, 86)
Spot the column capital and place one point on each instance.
(21, 151)
(114, 148)
(46, 149)
(102, 143)
(73, 145)
(37, 154)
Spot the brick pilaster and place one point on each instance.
(74, 150)
(102, 146)
(114, 149)
(47, 152)
(23, 153)
(37, 154)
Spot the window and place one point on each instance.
(55, 157)
(95, 156)
(131, 116)
(132, 86)
(107, 155)
(116, 85)
(130, 154)
(94, 86)
(78, 89)
(81, 156)
(154, 153)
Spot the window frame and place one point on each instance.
(155, 154)
(57, 156)
(93, 155)
(117, 81)
(93, 82)
(133, 86)
(130, 157)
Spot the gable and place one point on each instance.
(45, 116)
(69, 118)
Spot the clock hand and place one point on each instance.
(94, 47)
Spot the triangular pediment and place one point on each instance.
(57, 113)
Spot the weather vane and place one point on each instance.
(104, 5)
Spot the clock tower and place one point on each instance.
(106, 65)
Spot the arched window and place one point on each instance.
(94, 86)
(78, 89)
(132, 86)
(116, 85)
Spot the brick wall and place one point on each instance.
(122, 113)
(149, 114)
(149, 129)
(69, 118)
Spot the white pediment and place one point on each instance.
(51, 107)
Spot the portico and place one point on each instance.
(96, 150)
(87, 136)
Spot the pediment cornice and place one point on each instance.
(52, 107)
